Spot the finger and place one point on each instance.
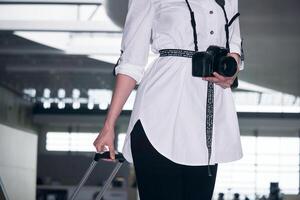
(112, 152)
(229, 78)
(227, 86)
(226, 78)
(212, 79)
(96, 141)
(217, 75)
(229, 82)
(100, 147)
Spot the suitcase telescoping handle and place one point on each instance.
(104, 155)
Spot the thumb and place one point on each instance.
(112, 152)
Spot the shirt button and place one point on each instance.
(211, 12)
(211, 32)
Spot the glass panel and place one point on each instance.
(266, 159)
(268, 145)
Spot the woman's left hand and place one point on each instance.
(223, 81)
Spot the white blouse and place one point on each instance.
(170, 102)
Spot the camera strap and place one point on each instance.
(193, 22)
(209, 98)
(221, 3)
(118, 61)
(228, 23)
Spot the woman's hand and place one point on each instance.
(223, 81)
(123, 87)
(105, 139)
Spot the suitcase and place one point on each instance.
(105, 155)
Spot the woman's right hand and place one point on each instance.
(106, 139)
(123, 87)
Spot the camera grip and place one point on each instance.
(235, 83)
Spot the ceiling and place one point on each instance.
(26, 64)
(270, 28)
(271, 33)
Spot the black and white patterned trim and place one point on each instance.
(176, 52)
(209, 100)
(209, 118)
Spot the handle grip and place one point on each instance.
(106, 155)
(235, 83)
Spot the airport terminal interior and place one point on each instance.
(56, 82)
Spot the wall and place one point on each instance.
(18, 161)
(15, 109)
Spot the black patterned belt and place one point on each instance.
(209, 98)
(176, 52)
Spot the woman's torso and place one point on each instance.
(170, 102)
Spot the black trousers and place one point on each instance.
(159, 178)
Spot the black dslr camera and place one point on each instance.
(214, 59)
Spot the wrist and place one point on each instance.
(108, 123)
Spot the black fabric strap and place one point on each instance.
(233, 18)
(114, 70)
(228, 23)
(193, 22)
(221, 3)
(242, 51)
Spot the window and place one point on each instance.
(266, 159)
(64, 141)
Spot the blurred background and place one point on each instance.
(56, 62)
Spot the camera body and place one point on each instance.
(214, 59)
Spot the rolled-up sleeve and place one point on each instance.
(235, 41)
(135, 44)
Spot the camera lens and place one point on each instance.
(227, 66)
